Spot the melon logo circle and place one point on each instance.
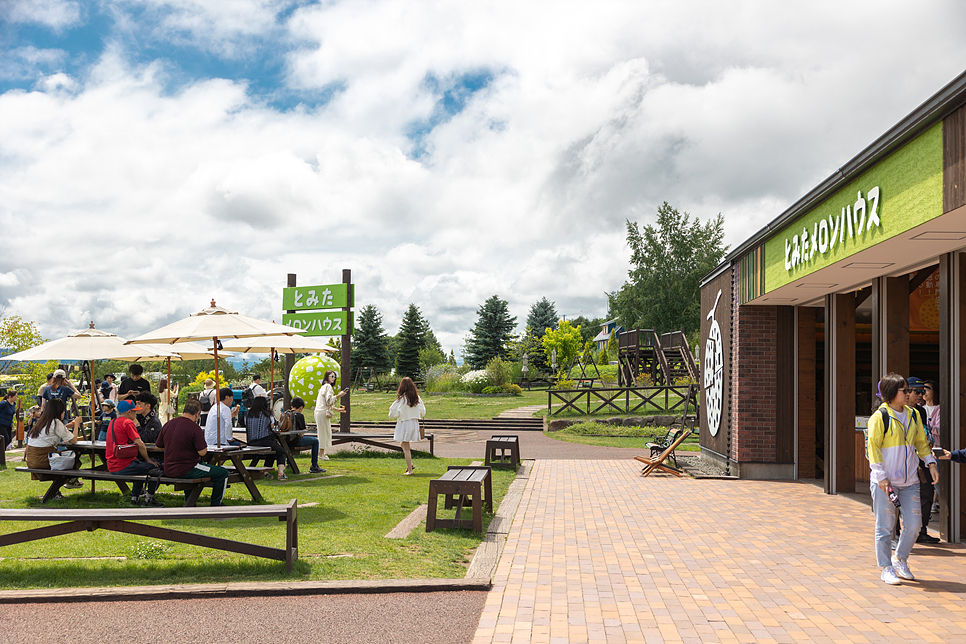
(305, 379)
(713, 374)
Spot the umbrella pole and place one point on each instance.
(167, 407)
(271, 380)
(214, 340)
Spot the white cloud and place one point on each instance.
(134, 203)
(56, 14)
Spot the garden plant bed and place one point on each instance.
(375, 406)
(343, 519)
(596, 433)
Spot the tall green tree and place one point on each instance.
(668, 261)
(542, 316)
(409, 341)
(566, 340)
(589, 328)
(370, 344)
(492, 334)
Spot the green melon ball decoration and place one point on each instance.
(305, 379)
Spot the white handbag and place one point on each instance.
(61, 460)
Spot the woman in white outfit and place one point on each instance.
(407, 410)
(325, 408)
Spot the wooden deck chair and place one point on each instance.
(652, 464)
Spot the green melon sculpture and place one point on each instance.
(305, 379)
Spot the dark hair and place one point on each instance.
(135, 370)
(297, 403)
(162, 385)
(259, 407)
(935, 390)
(109, 375)
(57, 382)
(225, 392)
(191, 407)
(889, 387)
(10, 393)
(325, 378)
(50, 377)
(53, 410)
(407, 388)
(149, 398)
(255, 377)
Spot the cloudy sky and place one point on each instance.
(155, 154)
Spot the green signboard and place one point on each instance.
(896, 195)
(307, 298)
(321, 323)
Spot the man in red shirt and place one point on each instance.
(124, 431)
(184, 444)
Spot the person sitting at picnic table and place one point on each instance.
(325, 408)
(184, 445)
(227, 414)
(149, 425)
(8, 409)
(61, 388)
(259, 429)
(123, 431)
(135, 384)
(407, 410)
(45, 436)
(301, 440)
(106, 414)
(166, 408)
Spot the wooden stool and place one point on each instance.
(499, 448)
(461, 481)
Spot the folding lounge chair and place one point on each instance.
(661, 445)
(651, 464)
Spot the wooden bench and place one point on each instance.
(57, 479)
(499, 448)
(376, 440)
(121, 520)
(461, 481)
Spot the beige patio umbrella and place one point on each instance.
(213, 323)
(183, 351)
(277, 344)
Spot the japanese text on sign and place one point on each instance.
(327, 323)
(324, 296)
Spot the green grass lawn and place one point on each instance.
(375, 406)
(340, 538)
(636, 437)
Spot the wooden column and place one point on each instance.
(890, 327)
(785, 396)
(806, 392)
(952, 366)
(345, 424)
(840, 393)
(289, 357)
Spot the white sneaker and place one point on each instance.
(901, 568)
(324, 457)
(889, 576)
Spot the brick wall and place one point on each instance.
(753, 384)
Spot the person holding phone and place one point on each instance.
(897, 440)
(325, 408)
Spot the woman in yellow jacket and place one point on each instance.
(897, 440)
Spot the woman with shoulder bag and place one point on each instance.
(46, 434)
(325, 408)
(259, 429)
(407, 410)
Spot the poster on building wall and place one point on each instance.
(924, 305)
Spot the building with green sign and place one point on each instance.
(864, 275)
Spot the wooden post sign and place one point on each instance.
(322, 310)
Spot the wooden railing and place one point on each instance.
(623, 400)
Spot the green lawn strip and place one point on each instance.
(375, 406)
(341, 538)
(604, 435)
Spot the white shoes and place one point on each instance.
(324, 457)
(901, 568)
(889, 576)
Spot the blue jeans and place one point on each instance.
(139, 467)
(885, 522)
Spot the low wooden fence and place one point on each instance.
(674, 399)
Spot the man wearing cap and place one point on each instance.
(134, 385)
(61, 387)
(184, 445)
(915, 391)
(124, 431)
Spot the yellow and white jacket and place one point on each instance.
(894, 451)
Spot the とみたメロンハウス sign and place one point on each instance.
(850, 224)
(316, 299)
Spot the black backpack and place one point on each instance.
(248, 396)
(921, 412)
(205, 399)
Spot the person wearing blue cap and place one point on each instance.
(124, 431)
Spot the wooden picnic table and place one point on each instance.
(215, 456)
(289, 450)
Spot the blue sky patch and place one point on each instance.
(454, 93)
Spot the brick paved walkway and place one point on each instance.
(598, 554)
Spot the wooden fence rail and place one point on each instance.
(621, 400)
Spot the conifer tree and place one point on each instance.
(409, 341)
(543, 316)
(370, 344)
(492, 333)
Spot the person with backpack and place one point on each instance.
(897, 440)
(260, 431)
(206, 398)
(927, 490)
(293, 420)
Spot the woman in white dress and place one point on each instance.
(325, 408)
(407, 410)
(166, 410)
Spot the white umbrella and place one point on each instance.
(89, 344)
(213, 323)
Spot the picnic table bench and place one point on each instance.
(123, 520)
(376, 440)
(464, 482)
(57, 479)
(500, 447)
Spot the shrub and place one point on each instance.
(565, 383)
(492, 390)
(684, 381)
(512, 389)
(475, 381)
(500, 371)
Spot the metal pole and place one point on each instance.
(214, 341)
(344, 421)
(289, 357)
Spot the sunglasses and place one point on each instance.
(918, 391)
